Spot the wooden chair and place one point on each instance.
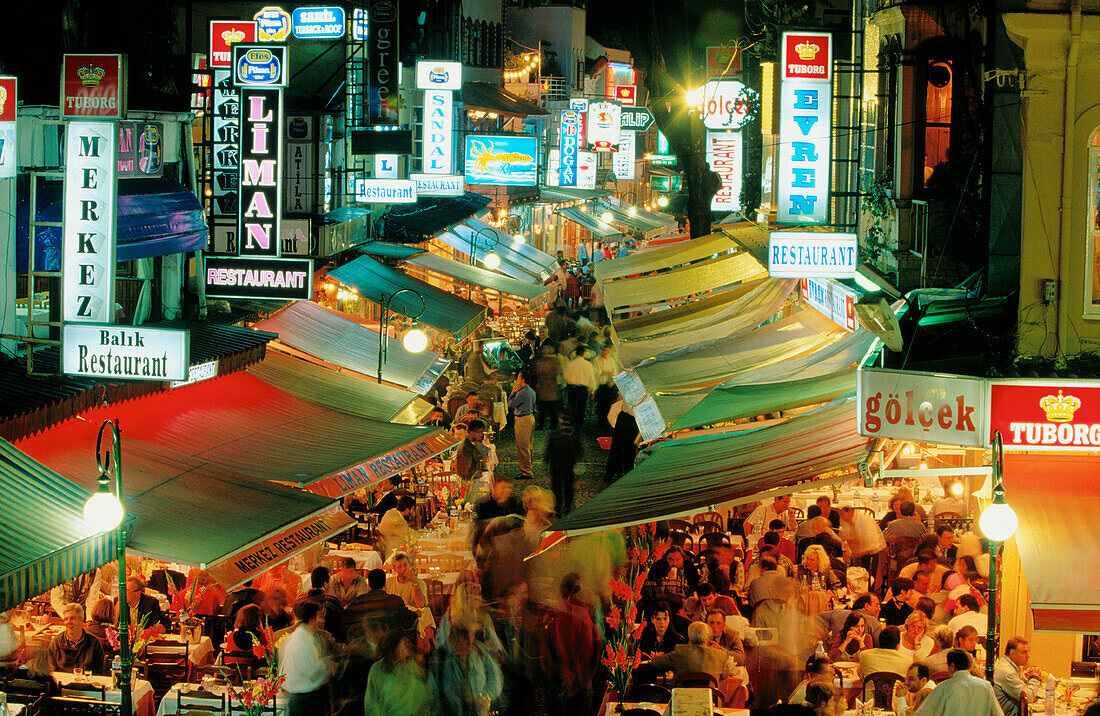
(96, 692)
(166, 664)
(706, 526)
(880, 684)
(677, 535)
(26, 691)
(708, 517)
(200, 700)
(939, 677)
(798, 512)
(715, 539)
(450, 562)
(437, 599)
(696, 679)
(868, 510)
(647, 693)
(69, 706)
(681, 525)
(899, 551)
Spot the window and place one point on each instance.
(1092, 265)
(937, 116)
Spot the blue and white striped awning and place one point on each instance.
(44, 541)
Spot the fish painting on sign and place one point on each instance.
(501, 160)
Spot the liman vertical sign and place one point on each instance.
(260, 72)
(88, 223)
(805, 128)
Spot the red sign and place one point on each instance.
(7, 99)
(93, 86)
(226, 33)
(807, 56)
(625, 94)
(1054, 415)
(723, 62)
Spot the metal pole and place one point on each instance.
(991, 621)
(126, 657)
(381, 334)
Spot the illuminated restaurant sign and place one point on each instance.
(286, 279)
(570, 147)
(382, 54)
(93, 86)
(603, 125)
(438, 144)
(88, 223)
(385, 191)
(725, 154)
(509, 160)
(7, 127)
(833, 300)
(725, 105)
(1046, 416)
(925, 407)
(277, 548)
(439, 184)
(622, 161)
(124, 352)
(802, 254)
(226, 33)
(805, 128)
(379, 468)
(318, 23)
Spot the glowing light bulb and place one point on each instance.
(492, 261)
(662, 201)
(956, 489)
(606, 217)
(103, 512)
(415, 340)
(998, 522)
(632, 211)
(865, 283)
(519, 239)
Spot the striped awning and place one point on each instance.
(45, 541)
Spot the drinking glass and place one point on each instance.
(78, 675)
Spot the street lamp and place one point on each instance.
(415, 340)
(491, 260)
(662, 201)
(103, 512)
(998, 522)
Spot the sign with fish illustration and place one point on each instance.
(501, 160)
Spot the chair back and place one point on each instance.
(705, 526)
(84, 691)
(696, 679)
(677, 535)
(799, 513)
(901, 550)
(23, 691)
(450, 562)
(437, 598)
(1022, 706)
(69, 706)
(879, 685)
(938, 677)
(711, 516)
(682, 525)
(647, 693)
(715, 539)
(201, 700)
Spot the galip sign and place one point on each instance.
(88, 223)
(925, 407)
(802, 254)
(805, 128)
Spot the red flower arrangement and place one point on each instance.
(139, 636)
(622, 654)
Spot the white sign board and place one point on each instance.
(7, 127)
(623, 160)
(438, 145)
(805, 254)
(385, 191)
(198, 373)
(124, 352)
(725, 156)
(586, 169)
(651, 424)
(439, 184)
(833, 300)
(602, 127)
(805, 149)
(925, 407)
(630, 387)
(724, 106)
(438, 75)
(88, 233)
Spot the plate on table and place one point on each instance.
(845, 664)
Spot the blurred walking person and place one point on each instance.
(563, 450)
(580, 385)
(547, 387)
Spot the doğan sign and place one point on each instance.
(124, 352)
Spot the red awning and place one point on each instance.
(1057, 500)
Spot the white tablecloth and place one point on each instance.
(141, 691)
(364, 558)
(199, 653)
(876, 498)
(170, 703)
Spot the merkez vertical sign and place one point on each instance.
(261, 73)
(805, 128)
(382, 54)
(88, 223)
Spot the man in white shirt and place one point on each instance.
(606, 366)
(963, 694)
(394, 526)
(886, 657)
(909, 696)
(762, 516)
(305, 662)
(580, 385)
(1013, 679)
(968, 613)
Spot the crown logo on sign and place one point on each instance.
(1060, 409)
(91, 75)
(806, 51)
(231, 36)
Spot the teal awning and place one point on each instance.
(386, 250)
(45, 541)
(334, 338)
(442, 310)
(680, 477)
(598, 227)
(648, 223)
(534, 295)
(532, 260)
(566, 194)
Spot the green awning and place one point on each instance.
(45, 541)
(442, 310)
(532, 294)
(598, 227)
(494, 98)
(531, 259)
(734, 403)
(725, 270)
(386, 250)
(668, 257)
(348, 392)
(741, 316)
(635, 218)
(711, 364)
(680, 477)
(565, 194)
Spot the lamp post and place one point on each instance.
(491, 260)
(998, 522)
(415, 341)
(104, 512)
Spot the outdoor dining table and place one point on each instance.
(365, 559)
(169, 705)
(141, 691)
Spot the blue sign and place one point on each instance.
(502, 160)
(259, 66)
(318, 23)
(359, 24)
(570, 147)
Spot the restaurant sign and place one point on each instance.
(1046, 416)
(834, 300)
(88, 223)
(385, 191)
(802, 254)
(283, 279)
(439, 125)
(124, 352)
(724, 154)
(805, 128)
(93, 86)
(925, 407)
(277, 548)
(318, 23)
(383, 466)
(439, 184)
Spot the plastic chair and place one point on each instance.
(647, 693)
(881, 685)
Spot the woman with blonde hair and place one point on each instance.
(914, 638)
(817, 578)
